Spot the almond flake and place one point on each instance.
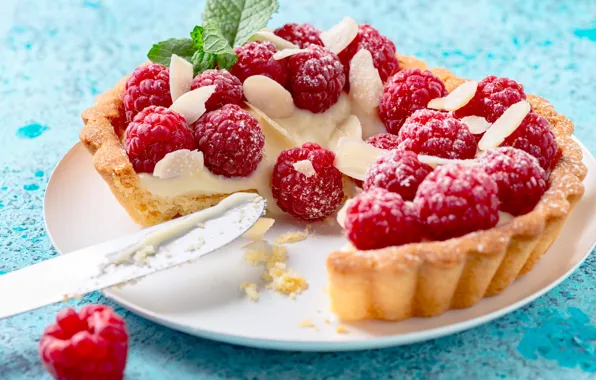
(305, 167)
(191, 105)
(456, 98)
(285, 53)
(476, 124)
(258, 230)
(435, 161)
(268, 96)
(353, 156)
(274, 126)
(280, 43)
(340, 35)
(341, 214)
(181, 74)
(349, 128)
(505, 125)
(366, 85)
(178, 163)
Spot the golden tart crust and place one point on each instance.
(429, 278)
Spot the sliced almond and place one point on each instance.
(366, 85)
(191, 105)
(285, 53)
(269, 96)
(349, 128)
(353, 156)
(456, 99)
(181, 74)
(305, 167)
(476, 124)
(340, 35)
(504, 218)
(341, 214)
(505, 125)
(280, 43)
(258, 230)
(280, 132)
(435, 161)
(178, 163)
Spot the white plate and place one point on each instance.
(204, 298)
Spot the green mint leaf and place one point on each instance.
(239, 19)
(197, 37)
(215, 43)
(202, 61)
(161, 52)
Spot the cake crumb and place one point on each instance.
(251, 291)
(65, 298)
(327, 320)
(341, 330)
(77, 296)
(306, 323)
(293, 236)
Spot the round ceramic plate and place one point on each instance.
(204, 298)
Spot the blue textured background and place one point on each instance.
(57, 55)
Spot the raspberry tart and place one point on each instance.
(462, 185)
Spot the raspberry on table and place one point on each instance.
(307, 197)
(316, 79)
(398, 171)
(228, 88)
(302, 35)
(534, 136)
(378, 218)
(520, 179)
(153, 133)
(455, 200)
(384, 141)
(231, 140)
(437, 133)
(493, 96)
(90, 344)
(147, 86)
(406, 92)
(256, 58)
(381, 48)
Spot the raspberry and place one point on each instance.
(90, 344)
(381, 48)
(228, 88)
(231, 140)
(455, 200)
(155, 132)
(256, 58)
(384, 141)
(519, 176)
(404, 93)
(305, 197)
(300, 34)
(398, 171)
(147, 86)
(493, 96)
(438, 134)
(378, 218)
(316, 79)
(535, 137)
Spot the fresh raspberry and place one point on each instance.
(384, 141)
(228, 88)
(438, 134)
(311, 196)
(519, 176)
(300, 34)
(455, 200)
(90, 344)
(147, 86)
(256, 58)
(316, 79)
(535, 137)
(398, 171)
(231, 140)
(404, 93)
(381, 48)
(493, 96)
(155, 132)
(378, 218)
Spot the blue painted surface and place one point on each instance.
(57, 55)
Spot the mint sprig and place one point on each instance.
(161, 52)
(239, 20)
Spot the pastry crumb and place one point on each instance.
(292, 237)
(251, 291)
(341, 330)
(327, 320)
(306, 323)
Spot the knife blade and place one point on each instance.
(127, 258)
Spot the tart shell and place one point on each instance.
(427, 279)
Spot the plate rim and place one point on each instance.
(324, 345)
